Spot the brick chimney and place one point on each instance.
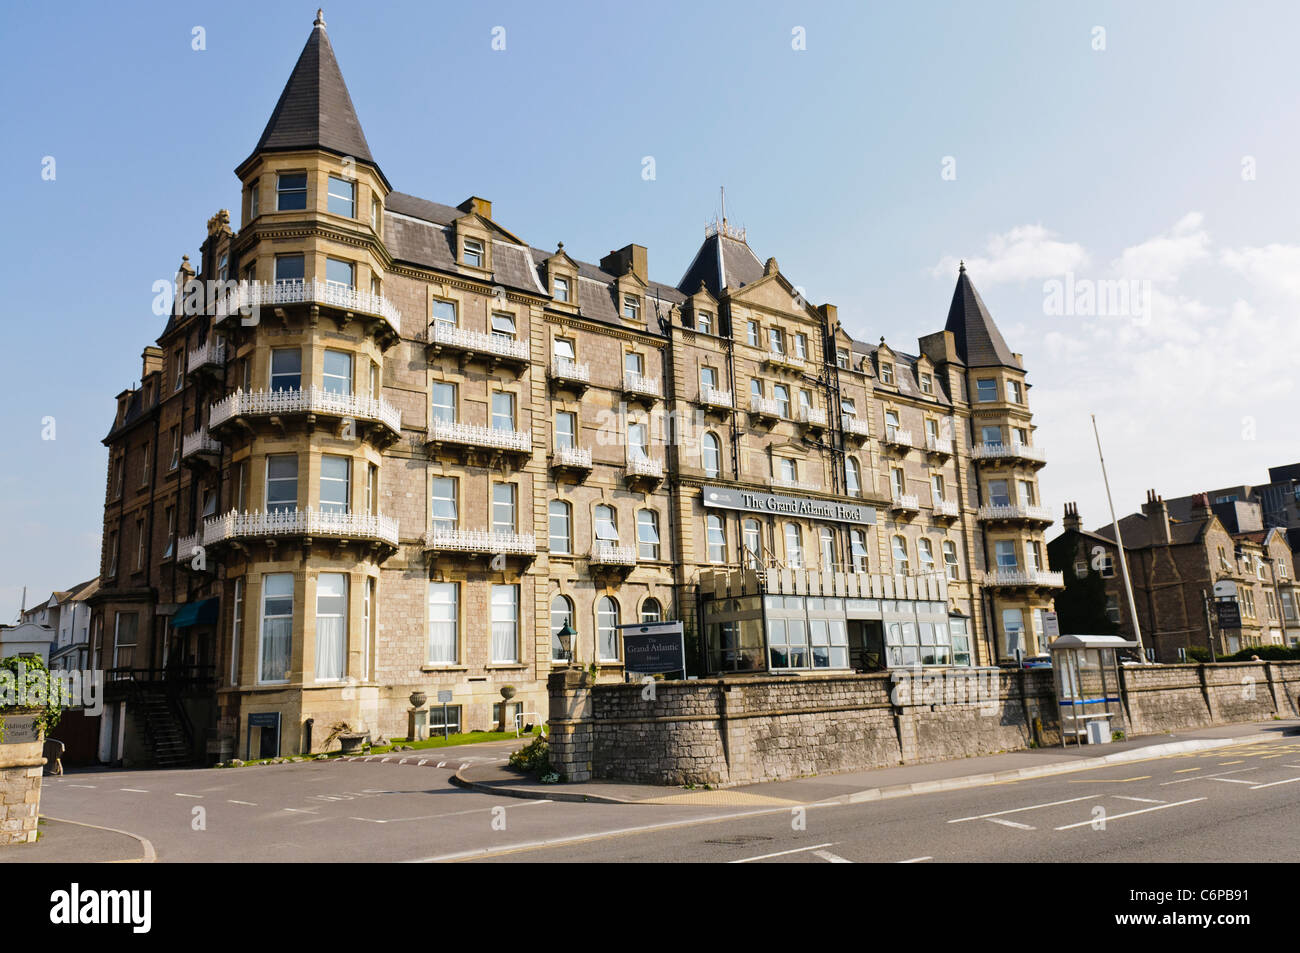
(1201, 506)
(631, 258)
(1071, 520)
(1158, 513)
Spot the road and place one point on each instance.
(1234, 804)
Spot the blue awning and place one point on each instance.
(203, 612)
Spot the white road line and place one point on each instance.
(431, 817)
(782, 853)
(199, 796)
(828, 856)
(81, 785)
(299, 810)
(1005, 823)
(1233, 780)
(1202, 777)
(916, 860)
(441, 763)
(134, 790)
(1140, 800)
(1017, 810)
(1273, 783)
(1116, 817)
(246, 803)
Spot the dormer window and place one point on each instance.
(927, 384)
(704, 322)
(632, 307)
(291, 192)
(342, 197)
(560, 289)
(473, 255)
(886, 373)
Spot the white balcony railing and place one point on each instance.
(312, 400)
(946, 508)
(260, 294)
(714, 397)
(481, 541)
(603, 554)
(635, 383)
(441, 332)
(642, 466)
(452, 431)
(295, 522)
(1017, 577)
(186, 545)
(812, 416)
(784, 360)
(571, 457)
(788, 484)
(765, 406)
(938, 444)
(901, 438)
(199, 442)
(1001, 451)
(856, 426)
(1015, 511)
(566, 370)
(905, 501)
(209, 352)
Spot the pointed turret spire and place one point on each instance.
(315, 110)
(979, 342)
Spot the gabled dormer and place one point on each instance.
(927, 383)
(886, 366)
(472, 237)
(700, 311)
(561, 273)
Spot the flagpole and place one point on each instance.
(1119, 544)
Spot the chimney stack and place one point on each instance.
(633, 258)
(1071, 520)
(1201, 506)
(1156, 511)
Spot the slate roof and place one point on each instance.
(1139, 532)
(979, 342)
(315, 110)
(721, 262)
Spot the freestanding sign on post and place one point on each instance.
(444, 697)
(654, 648)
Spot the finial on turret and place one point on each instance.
(320, 18)
(961, 267)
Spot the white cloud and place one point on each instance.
(1276, 267)
(1024, 252)
(1166, 256)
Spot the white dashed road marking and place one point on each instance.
(828, 856)
(200, 796)
(782, 853)
(246, 803)
(916, 860)
(1005, 823)
(134, 790)
(1116, 817)
(1272, 783)
(1017, 810)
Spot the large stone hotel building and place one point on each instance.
(407, 448)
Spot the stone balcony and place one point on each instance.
(611, 561)
(946, 510)
(571, 463)
(785, 483)
(898, 438)
(716, 401)
(1024, 579)
(639, 389)
(643, 474)
(477, 445)
(994, 453)
(200, 447)
(208, 357)
(856, 429)
(765, 411)
(812, 419)
(307, 526)
(779, 360)
(257, 296)
(905, 503)
(493, 350)
(566, 375)
(1015, 512)
(941, 447)
(498, 550)
(372, 417)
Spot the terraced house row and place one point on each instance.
(410, 451)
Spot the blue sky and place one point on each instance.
(1122, 162)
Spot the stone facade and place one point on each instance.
(21, 766)
(743, 730)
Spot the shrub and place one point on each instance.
(534, 758)
(33, 671)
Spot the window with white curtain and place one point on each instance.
(606, 527)
(752, 541)
(444, 402)
(828, 547)
(335, 481)
(712, 454)
(444, 611)
(277, 627)
(950, 559)
(503, 507)
(505, 624)
(647, 534)
(793, 546)
(925, 551)
(336, 373)
(717, 540)
(607, 629)
(561, 521)
(858, 546)
(900, 554)
(444, 503)
(331, 626)
(651, 611)
(852, 476)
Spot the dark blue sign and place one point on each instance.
(1229, 614)
(654, 647)
(264, 719)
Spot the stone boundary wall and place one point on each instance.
(740, 730)
(21, 766)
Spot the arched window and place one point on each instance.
(793, 546)
(852, 476)
(647, 534)
(752, 540)
(651, 611)
(950, 559)
(900, 554)
(607, 629)
(717, 540)
(828, 548)
(857, 543)
(561, 527)
(925, 550)
(712, 455)
(561, 615)
(606, 526)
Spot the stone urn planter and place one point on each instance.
(507, 693)
(351, 742)
(418, 699)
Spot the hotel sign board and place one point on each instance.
(654, 647)
(773, 504)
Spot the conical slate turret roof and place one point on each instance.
(979, 342)
(315, 110)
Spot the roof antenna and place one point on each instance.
(723, 190)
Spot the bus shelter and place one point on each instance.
(1088, 688)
